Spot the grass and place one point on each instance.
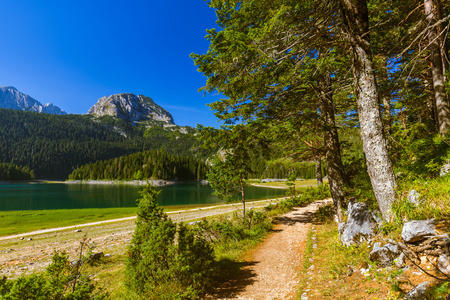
(435, 200)
(110, 274)
(337, 270)
(14, 222)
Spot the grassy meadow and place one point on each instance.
(14, 222)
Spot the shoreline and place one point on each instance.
(154, 182)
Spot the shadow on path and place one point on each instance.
(239, 277)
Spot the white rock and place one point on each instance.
(10, 97)
(130, 108)
(415, 231)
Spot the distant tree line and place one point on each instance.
(152, 164)
(13, 172)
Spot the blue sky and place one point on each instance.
(71, 53)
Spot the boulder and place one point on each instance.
(95, 257)
(444, 264)
(419, 292)
(376, 217)
(385, 255)
(400, 261)
(359, 226)
(414, 197)
(445, 169)
(415, 231)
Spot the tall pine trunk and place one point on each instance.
(379, 166)
(442, 38)
(335, 169)
(437, 66)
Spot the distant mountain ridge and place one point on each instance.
(11, 98)
(131, 108)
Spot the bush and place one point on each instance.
(166, 261)
(62, 280)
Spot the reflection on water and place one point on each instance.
(37, 196)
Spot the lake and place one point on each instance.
(39, 196)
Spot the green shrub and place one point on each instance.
(166, 261)
(441, 291)
(62, 280)
(326, 213)
(237, 228)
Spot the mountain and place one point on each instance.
(10, 97)
(131, 108)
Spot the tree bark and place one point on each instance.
(386, 101)
(437, 67)
(335, 168)
(319, 170)
(355, 31)
(442, 38)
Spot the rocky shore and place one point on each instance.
(158, 182)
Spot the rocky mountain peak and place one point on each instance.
(10, 97)
(130, 108)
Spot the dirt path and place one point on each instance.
(272, 270)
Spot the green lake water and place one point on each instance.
(39, 196)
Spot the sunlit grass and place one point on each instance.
(14, 222)
(282, 184)
(435, 200)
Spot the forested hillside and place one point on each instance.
(153, 164)
(53, 146)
